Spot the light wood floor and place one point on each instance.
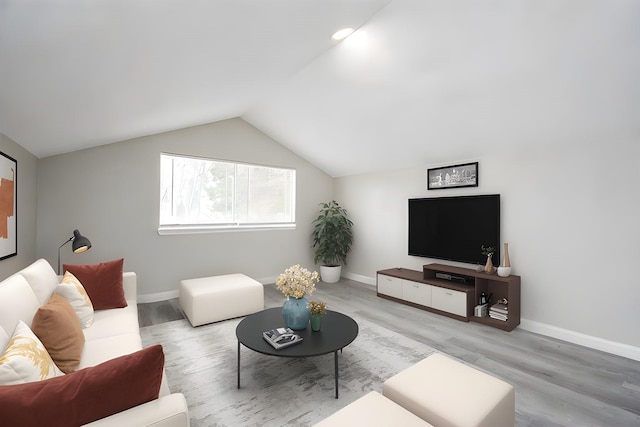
(557, 383)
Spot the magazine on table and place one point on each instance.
(281, 337)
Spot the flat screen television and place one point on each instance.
(455, 228)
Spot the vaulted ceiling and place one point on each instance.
(420, 81)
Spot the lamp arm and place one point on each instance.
(70, 239)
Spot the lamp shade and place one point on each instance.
(80, 243)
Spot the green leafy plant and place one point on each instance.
(488, 250)
(332, 235)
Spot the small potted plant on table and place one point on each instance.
(317, 309)
(295, 283)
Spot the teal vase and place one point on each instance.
(295, 313)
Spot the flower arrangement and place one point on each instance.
(317, 308)
(297, 281)
(488, 250)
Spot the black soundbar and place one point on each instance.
(451, 277)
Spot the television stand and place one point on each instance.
(434, 289)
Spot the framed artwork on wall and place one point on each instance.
(463, 175)
(8, 206)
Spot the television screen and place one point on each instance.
(455, 228)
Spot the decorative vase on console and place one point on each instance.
(505, 268)
(295, 283)
(488, 251)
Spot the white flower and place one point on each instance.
(297, 281)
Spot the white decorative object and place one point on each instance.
(504, 271)
(211, 299)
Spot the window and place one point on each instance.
(198, 194)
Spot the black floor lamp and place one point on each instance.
(80, 244)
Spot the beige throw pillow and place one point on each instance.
(59, 330)
(25, 359)
(74, 292)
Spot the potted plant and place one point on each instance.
(295, 283)
(488, 252)
(332, 238)
(317, 310)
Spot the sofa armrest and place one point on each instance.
(130, 285)
(167, 411)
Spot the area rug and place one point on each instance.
(275, 391)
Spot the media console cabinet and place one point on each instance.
(453, 298)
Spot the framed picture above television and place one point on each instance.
(463, 175)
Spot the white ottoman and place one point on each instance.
(211, 299)
(447, 393)
(373, 410)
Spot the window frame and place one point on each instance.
(199, 228)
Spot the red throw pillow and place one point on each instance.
(86, 395)
(102, 282)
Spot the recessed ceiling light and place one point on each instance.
(342, 34)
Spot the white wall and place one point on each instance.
(570, 216)
(26, 209)
(111, 194)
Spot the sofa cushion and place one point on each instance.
(102, 281)
(25, 359)
(85, 395)
(42, 279)
(58, 327)
(112, 322)
(73, 291)
(101, 350)
(18, 303)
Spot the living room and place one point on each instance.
(561, 150)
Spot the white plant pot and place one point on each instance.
(330, 274)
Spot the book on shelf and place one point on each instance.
(481, 310)
(498, 316)
(281, 337)
(500, 308)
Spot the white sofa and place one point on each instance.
(114, 332)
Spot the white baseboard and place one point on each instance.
(595, 343)
(160, 296)
(360, 278)
(163, 296)
(267, 280)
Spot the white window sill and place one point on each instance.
(167, 230)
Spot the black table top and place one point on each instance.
(338, 330)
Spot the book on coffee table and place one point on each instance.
(281, 337)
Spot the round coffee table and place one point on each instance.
(338, 330)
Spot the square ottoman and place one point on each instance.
(447, 393)
(373, 410)
(211, 299)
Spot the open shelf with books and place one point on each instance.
(500, 288)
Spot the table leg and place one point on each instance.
(238, 364)
(335, 361)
